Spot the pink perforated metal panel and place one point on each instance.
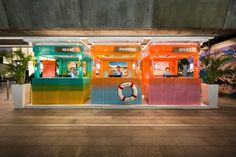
(174, 91)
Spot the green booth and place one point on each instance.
(62, 75)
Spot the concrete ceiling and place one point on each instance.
(116, 17)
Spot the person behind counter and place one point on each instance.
(167, 72)
(118, 71)
(73, 73)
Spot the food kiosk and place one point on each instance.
(116, 74)
(62, 75)
(161, 82)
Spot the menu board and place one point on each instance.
(159, 68)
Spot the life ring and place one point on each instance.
(125, 85)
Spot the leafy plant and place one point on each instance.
(215, 68)
(17, 65)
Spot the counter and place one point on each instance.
(173, 91)
(60, 91)
(105, 90)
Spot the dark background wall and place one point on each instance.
(184, 14)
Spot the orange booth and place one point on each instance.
(116, 74)
(162, 80)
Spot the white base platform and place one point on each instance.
(102, 106)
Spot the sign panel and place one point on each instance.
(127, 49)
(185, 49)
(67, 49)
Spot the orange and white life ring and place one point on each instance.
(125, 85)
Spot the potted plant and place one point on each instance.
(16, 67)
(213, 67)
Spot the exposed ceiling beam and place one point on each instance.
(86, 42)
(15, 46)
(12, 42)
(145, 46)
(145, 41)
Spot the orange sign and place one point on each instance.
(67, 49)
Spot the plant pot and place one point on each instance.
(210, 94)
(21, 95)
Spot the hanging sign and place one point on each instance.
(127, 49)
(67, 49)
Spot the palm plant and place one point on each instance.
(215, 68)
(17, 65)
